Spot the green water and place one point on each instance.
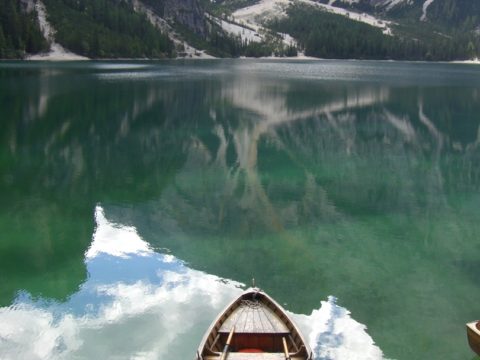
(355, 180)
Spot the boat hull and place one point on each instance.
(261, 331)
(473, 336)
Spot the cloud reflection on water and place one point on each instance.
(141, 304)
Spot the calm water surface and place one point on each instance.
(137, 199)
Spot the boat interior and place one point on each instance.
(257, 329)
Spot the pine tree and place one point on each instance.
(471, 51)
(3, 44)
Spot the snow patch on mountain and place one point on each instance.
(57, 51)
(425, 6)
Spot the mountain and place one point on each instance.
(188, 13)
(362, 29)
(447, 13)
(369, 29)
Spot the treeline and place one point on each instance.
(106, 29)
(461, 15)
(326, 35)
(227, 45)
(19, 31)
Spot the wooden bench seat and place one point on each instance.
(254, 356)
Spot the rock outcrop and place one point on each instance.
(188, 13)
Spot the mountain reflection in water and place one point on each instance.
(359, 180)
(142, 304)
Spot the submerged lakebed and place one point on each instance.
(139, 198)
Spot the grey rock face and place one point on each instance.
(188, 13)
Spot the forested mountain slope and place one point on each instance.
(106, 28)
(362, 29)
(451, 14)
(325, 34)
(19, 30)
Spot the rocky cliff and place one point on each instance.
(188, 13)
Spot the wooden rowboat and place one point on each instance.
(253, 327)
(473, 335)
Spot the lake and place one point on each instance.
(139, 198)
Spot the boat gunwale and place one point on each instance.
(290, 324)
(473, 326)
(473, 336)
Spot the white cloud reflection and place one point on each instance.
(333, 334)
(139, 304)
(116, 240)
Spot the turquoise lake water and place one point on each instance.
(139, 198)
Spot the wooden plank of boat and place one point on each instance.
(259, 329)
(473, 335)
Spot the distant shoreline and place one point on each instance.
(40, 58)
